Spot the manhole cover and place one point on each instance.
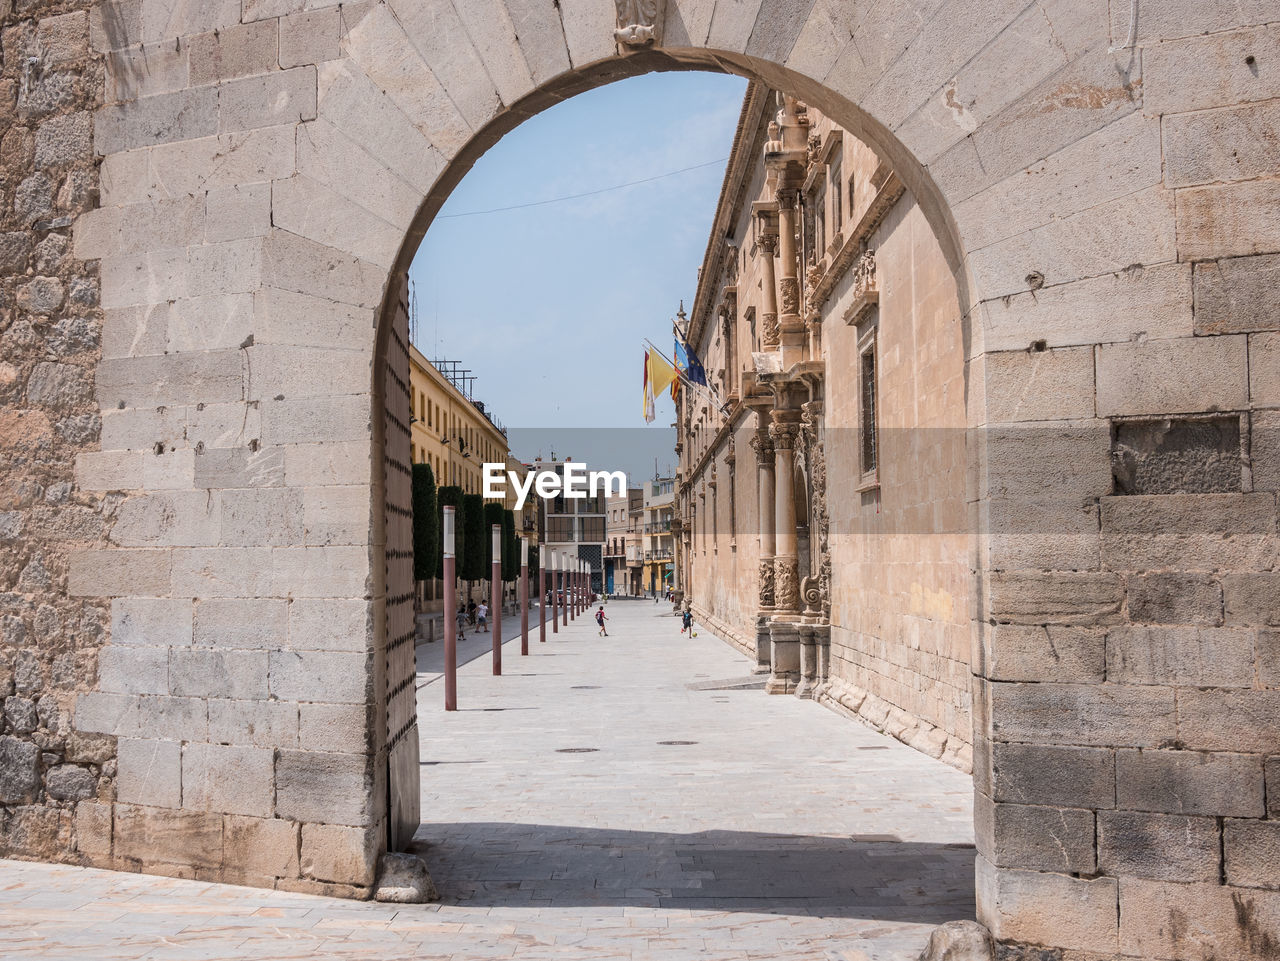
(677, 743)
(576, 750)
(585, 687)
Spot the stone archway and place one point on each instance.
(267, 168)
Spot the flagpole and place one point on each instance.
(681, 375)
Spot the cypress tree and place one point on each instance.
(425, 524)
(476, 567)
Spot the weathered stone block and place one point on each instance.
(253, 723)
(324, 788)
(328, 677)
(1033, 837)
(319, 571)
(150, 772)
(1190, 922)
(1163, 847)
(21, 714)
(329, 624)
(1018, 652)
(196, 672)
(1237, 295)
(19, 770)
(1231, 720)
(267, 847)
(1210, 71)
(1252, 597)
(93, 831)
(1188, 455)
(161, 836)
(232, 780)
(315, 420)
(1042, 908)
(242, 623)
(1058, 776)
(1046, 462)
(231, 267)
(287, 96)
(198, 376)
(169, 519)
(1220, 145)
(237, 467)
(1057, 598)
(184, 115)
(234, 213)
(342, 728)
(1187, 375)
(133, 670)
(132, 715)
(109, 470)
(309, 37)
(346, 855)
(1094, 715)
(1190, 782)
(222, 572)
(306, 465)
(294, 263)
(1196, 656)
(1189, 532)
(1264, 369)
(1175, 599)
(1231, 220)
(263, 517)
(1251, 850)
(236, 51)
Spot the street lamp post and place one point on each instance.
(524, 595)
(450, 616)
(495, 598)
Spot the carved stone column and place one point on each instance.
(791, 331)
(783, 626)
(768, 214)
(763, 447)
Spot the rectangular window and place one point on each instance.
(592, 529)
(559, 528)
(837, 213)
(867, 392)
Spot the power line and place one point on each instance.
(589, 193)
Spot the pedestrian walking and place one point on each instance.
(600, 619)
(462, 619)
(471, 612)
(482, 617)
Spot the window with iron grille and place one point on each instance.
(867, 383)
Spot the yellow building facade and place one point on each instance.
(449, 431)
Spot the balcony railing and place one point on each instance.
(660, 555)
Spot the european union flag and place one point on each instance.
(688, 364)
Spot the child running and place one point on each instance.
(600, 619)
(482, 618)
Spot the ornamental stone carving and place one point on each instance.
(864, 274)
(766, 582)
(769, 322)
(811, 429)
(786, 584)
(784, 435)
(639, 23)
(763, 447)
(789, 295)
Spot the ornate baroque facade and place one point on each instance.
(833, 552)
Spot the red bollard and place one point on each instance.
(450, 616)
(570, 604)
(495, 599)
(542, 595)
(524, 595)
(555, 618)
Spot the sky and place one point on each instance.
(549, 305)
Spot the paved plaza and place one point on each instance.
(635, 797)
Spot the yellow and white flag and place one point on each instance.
(658, 376)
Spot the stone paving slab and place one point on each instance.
(784, 831)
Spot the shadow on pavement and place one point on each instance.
(531, 865)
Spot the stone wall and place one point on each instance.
(51, 776)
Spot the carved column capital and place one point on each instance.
(784, 435)
(763, 446)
